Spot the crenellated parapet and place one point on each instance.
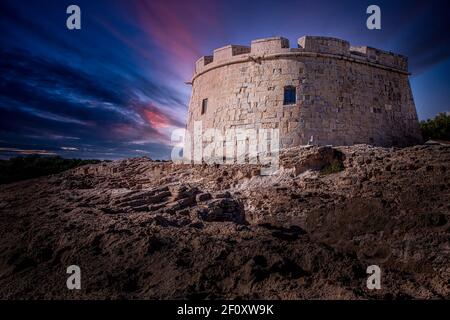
(324, 91)
(269, 45)
(228, 52)
(325, 45)
(269, 48)
(380, 57)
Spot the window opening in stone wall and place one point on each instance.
(289, 95)
(204, 105)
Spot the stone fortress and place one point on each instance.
(324, 92)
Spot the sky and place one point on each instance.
(116, 88)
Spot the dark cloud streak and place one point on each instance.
(101, 110)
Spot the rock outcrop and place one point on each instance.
(147, 229)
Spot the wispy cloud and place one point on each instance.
(27, 152)
(69, 148)
(62, 101)
(178, 28)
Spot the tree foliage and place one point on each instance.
(34, 166)
(437, 128)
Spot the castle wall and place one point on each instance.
(344, 95)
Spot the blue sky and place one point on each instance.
(116, 88)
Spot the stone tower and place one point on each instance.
(323, 92)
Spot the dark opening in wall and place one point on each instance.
(204, 105)
(289, 95)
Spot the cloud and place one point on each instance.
(156, 120)
(47, 99)
(15, 21)
(93, 91)
(19, 67)
(69, 148)
(178, 28)
(27, 152)
(418, 30)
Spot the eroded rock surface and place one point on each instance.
(145, 229)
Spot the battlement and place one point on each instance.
(269, 45)
(307, 46)
(227, 52)
(381, 57)
(324, 45)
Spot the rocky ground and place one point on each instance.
(145, 229)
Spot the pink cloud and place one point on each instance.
(156, 120)
(173, 26)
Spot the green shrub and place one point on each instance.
(334, 167)
(437, 128)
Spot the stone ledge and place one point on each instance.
(261, 48)
(291, 53)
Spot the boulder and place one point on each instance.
(225, 209)
(202, 197)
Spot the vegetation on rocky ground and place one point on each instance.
(437, 128)
(334, 167)
(21, 168)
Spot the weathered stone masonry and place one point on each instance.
(344, 95)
